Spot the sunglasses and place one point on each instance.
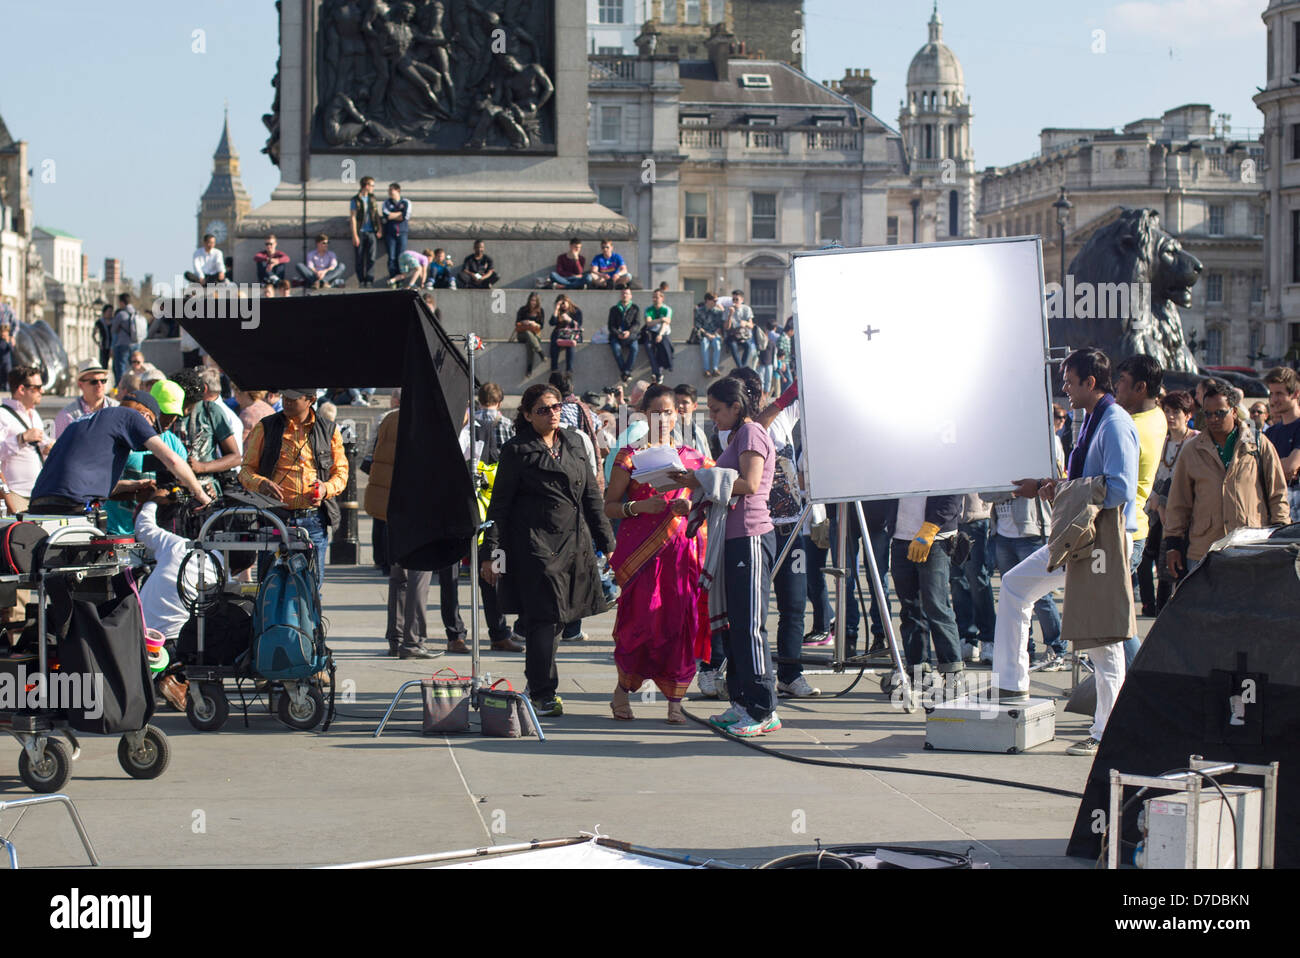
(95, 382)
(1218, 414)
(137, 362)
(553, 410)
(37, 386)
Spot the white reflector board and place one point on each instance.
(922, 369)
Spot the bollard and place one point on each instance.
(344, 549)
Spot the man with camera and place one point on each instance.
(85, 466)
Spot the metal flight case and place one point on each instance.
(88, 573)
(299, 704)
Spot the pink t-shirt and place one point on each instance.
(750, 516)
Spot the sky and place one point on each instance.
(123, 114)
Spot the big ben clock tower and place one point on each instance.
(225, 202)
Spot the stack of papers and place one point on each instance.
(654, 465)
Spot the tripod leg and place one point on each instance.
(886, 620)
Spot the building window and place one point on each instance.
(761, 121)
(611, 124)
(1295, 246)
(1256, 342)
(611, 197)
(929, 141)
(1295, 141)
(717, 11)
(1256, 220)
(1214, 288)
(954, 220)
(830, 224)
(1256, 288)
(764, 297)
(1294, 339)
(609, 51)
(1213, 346)
(694, 119)
(763, 216)
(1295, 47)
(951, 149)
(670, 12)
(697, 216)
(1216, 220)
(697, 288)
(693, 11)
(611, 11)
(891, 231)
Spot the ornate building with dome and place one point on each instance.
(935, 122)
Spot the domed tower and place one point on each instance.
(935, 121)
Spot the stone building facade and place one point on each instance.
(764, 28)
(1196, 174)
(1279, 178)
(727, 165)
(19, 290)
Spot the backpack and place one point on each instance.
(139, 326)
(288, 641)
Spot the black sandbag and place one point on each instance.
(227, 633)
(1230, 625)
(104, 639)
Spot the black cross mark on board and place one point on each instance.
(870, 332)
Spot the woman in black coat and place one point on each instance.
(538, 549)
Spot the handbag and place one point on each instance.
(446, 702)
(528, 326)
(694, 338)
(502, 714)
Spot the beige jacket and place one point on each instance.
(1093, 545)
(1206, 501)
(381, 467)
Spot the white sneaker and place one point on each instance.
(735, 715)
(986, 653)
(799, 689)
(971, 651)
(707, 680)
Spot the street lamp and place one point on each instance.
(1062, 207)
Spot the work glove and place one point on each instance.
(919, 550)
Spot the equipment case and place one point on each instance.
(970, 725)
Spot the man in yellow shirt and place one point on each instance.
(297, 459)
(1137, 389)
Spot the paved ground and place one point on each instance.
(269, 796)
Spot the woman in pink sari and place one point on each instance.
(662, 626)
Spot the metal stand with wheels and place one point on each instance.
(477, 683)
(46, 800)
(838, 660)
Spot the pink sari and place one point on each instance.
(662, 625)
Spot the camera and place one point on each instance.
(155, 465)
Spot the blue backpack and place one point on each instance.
(289, 642)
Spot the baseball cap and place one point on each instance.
(170, 397)
(297, 394)
(145, 400)
(89, 366)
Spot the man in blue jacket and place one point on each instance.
(1108, 446)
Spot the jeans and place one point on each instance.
(365, 257)
(791, 592)
(555, 357)
(395, 241)
(625, 351)
(568, 282)
(272, 275)
(661, 358)
(924, 607)
(710, 352)
(751, 679)
(1012, 552)
(534, 353)
(879, 538)
(765, 375)
(741, 353)
(1131, 644)
(818, 594)
(121, 356)
(319, 539)
(972, 594)
(308, 276)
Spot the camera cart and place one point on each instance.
(299, 704)
(85, 576)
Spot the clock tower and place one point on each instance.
(225, 203)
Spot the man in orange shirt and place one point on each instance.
(297, 459)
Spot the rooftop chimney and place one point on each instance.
(857, 85)
(719, 45)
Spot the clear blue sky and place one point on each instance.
(130, 113)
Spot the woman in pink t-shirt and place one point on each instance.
(748, 554)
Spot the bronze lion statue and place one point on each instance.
(1123, 290)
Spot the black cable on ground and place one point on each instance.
(852, 685)
(828, 763)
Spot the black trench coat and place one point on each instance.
(544, 515)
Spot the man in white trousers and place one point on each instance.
(1108, 446)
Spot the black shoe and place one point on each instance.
(1010, 697)
(393, 651)
(417, 653)
(549, 708)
